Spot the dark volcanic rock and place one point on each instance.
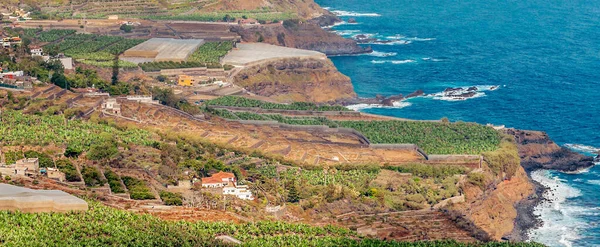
(390, 101)
(538, 151)
(325, 20)
(415, 94)
(351, 20)
(303, 35)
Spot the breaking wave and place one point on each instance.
(381, 54)
(402, 37)
(463, 93)
(432, 59)
(393, 61)
(339, 24)
(583, 148)
(396, 105)
(561, 225)
(351, 13)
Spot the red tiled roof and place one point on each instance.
(217, 177)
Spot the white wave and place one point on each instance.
(326, 8)
(339, 24)
(346, 32)
(594, 182)
(396, 105)
(583, 148)
(560, 222)
(418, 39)
(403, 61)
(432, 59)
(381, 54)
(402, 37)
(351, 13)
(395, 42)
(456, 95)
(393, 61)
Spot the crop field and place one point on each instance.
(211, 52)
(53, 35)
(17, 128)
(157, 66)
(245, 102)
(432, 137)
(96, 50)
(105, 226)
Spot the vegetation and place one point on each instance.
(52, 35)
(92, 177)
(211, 52)
(92, 49)
(432, 137)
(170, 198)
(105, 226)
(138, 190)
(20, 129)
(429, 171)
(44, 159)
(245, 102)
(157, 66)
(504, 160)
(114, 181)
(228, 16)
(65, 166)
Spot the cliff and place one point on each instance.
(294, 79)
(301, 35)
(538, 151)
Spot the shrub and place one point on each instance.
(170, 198)
(138, 190)
(92, 176)
(476, 178)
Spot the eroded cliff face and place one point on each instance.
(302, 35)
(493, 209)
(538, 151)
(289, 80)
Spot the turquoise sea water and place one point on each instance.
(543, 55)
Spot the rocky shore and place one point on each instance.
(306, 35)
(538, 151)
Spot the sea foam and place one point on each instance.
(396, 105)
(351, 13)
(393, 61)
(560, 222)
(583, 148)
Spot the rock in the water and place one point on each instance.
(351, 20)
(415, 94)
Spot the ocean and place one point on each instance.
(535, 64)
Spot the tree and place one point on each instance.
(60, 80)
(115, 70)
(126, 28)
(293, 195)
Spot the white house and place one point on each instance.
(36, 51)
(110, 105)
(241, 191)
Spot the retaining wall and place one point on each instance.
(290, 112)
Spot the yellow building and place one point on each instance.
(185, 80)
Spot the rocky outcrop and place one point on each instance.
(294, 79)
(301, 35)
(538, 151)
(492, 208)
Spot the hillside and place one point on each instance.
(205, 9)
